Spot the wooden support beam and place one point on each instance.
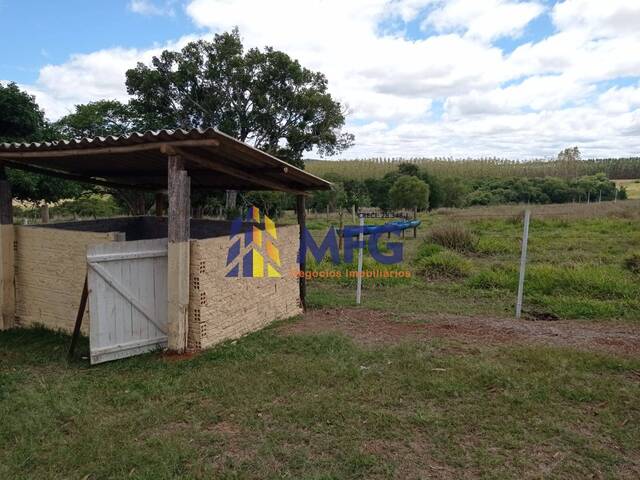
(7, 268)
(178, 253)
(235, 172)
(159, 204)
(300, 210)
(78, 178)
(80, 152)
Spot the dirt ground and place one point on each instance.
(371, 327)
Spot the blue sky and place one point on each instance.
(50, 31)
(510, 78)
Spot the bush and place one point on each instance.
(453, 237)
(443, 265)
(632, 263)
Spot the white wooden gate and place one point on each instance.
(127, 298)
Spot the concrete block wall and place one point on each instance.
(50, 270)
(222, 308)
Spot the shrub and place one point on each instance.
(632, 263)
(454, 237)
(444, 264)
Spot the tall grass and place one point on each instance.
(361, 169)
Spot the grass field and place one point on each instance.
(576, 265)
(401, 387)
(632, 187)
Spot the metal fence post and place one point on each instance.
(523, 262)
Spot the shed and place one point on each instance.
(153, 280)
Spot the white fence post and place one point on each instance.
(360, 253)
(523, 262)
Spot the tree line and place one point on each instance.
(267, 99)
(260, 96)
(409, 187)
(360, 169)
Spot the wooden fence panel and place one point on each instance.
(127, 298)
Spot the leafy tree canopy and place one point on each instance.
(263, 97)
(409, 192)
(21, 119)
(101, 118)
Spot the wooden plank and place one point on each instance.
(179, 200)
(127, 305)
(118, 286)
(83, 305)
(7, 255)
(211, 164)
(178, 254)
(109, 257)
(79, 178)
(160, 292)
(126, 350)
(159, 204)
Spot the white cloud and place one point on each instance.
(484, 20)
(610, 18)
(535, 93)
(149, 7)
(88, 77)
(620, 100)
(543, 96)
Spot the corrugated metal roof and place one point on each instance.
(134, 138)
(116, 158)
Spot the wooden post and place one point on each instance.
(523, 262)
(7, 269)
(44, 213)
(159, 204)
(178, 253)
(300, 210)
(83, 306)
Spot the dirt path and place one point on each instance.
(376, 327)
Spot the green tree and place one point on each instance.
(263, 97)
(409, 192)
(22, 120)
(102, 118)
(568, 160)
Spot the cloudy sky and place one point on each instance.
(517, 79)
